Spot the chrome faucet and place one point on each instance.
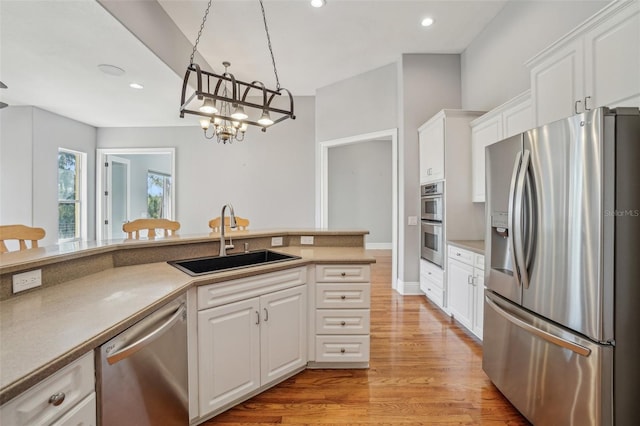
(232, 224)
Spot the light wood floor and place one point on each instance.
(424, 370)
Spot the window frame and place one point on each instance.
(81, 179)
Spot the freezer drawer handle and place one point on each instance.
(134, 347)
(551, 338)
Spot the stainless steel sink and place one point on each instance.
(208, 265)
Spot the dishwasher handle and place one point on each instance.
(140, 343)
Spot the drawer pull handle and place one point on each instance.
(57, 398)
(343, 323)
(457, 254)
(342, 350)
(343, 297)
(344, 274)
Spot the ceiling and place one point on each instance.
(49, 50)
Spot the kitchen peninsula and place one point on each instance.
(93, 291)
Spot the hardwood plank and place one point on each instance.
(425, 370)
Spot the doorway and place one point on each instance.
(322, 189)
(122, 185)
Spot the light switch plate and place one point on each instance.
(276, 241)
(27, 280)
(307, 240)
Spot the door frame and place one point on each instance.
(101, 154)
(322, 184)
(108, 209)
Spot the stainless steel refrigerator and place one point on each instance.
(562, 299)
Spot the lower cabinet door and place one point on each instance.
(228, 353)
(461, 292)
(283, 333)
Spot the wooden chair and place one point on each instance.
(241, 222)
(21, 233)
(134, 227)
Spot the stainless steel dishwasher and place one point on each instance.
(142, 372)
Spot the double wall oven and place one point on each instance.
(432, 216)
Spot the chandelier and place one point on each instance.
(227, 105)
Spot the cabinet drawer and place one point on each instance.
(435, 294)
(342, 321)
(83, 414)
(461, 255)
(343, 296)
(343, 273)
(431, 272)
(478, 261)
(342, 348)
(75, 382)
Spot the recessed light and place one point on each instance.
(318, 3)
(136, 86)
(427, 22)
(111, 69)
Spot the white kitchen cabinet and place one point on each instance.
(508, 119)
(431, 137)
(251, 337)
(597, 64)
(432, 283)
(342, 316)
(60, 398)
(465, 277)
(83, 414)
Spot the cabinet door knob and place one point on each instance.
(343, 297)
(343, 350)
(57, 399)
(344, 274)
(343, 323)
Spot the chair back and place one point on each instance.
(133, 228)
(242, 224)
(21, 233)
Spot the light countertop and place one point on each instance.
(476, 246)
(44, 330)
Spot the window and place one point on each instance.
(71, 195)
(158, 195)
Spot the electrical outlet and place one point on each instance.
(276, 241)
(27, 280)
(412, 220)
(308, 240)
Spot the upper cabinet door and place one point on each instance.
(482, 135)
(431, 139)
(557, 84)
(612, 56)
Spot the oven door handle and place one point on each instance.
(131, 348)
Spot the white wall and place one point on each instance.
(428, 83)
(31, 138)
(360, 193)
(362, 104)
(269, 177)
(493, 69)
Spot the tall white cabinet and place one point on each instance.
(445, 154)
(597, 64)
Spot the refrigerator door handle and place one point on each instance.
(517, 218)
(551, 338)
(511, 216)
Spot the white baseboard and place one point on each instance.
(378, 246)
(408, 288)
